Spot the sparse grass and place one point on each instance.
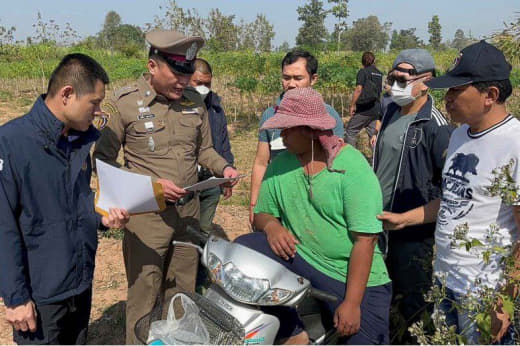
(24, 101)
(114, 233)
(243, 146)
(5, 96)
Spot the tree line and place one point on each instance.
(221, 32)
(224, 32)
(366, 34)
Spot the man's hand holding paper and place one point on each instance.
(135, 193)
(171, 191)
(116, 218)
(230, 172)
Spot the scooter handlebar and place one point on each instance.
(322, 295)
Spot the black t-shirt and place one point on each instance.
(370, 72)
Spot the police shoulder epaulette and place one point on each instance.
(125, 91)
(192, 97)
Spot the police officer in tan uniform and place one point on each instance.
(164, 130)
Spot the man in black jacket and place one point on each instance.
(201, 81)
(408, 160)
(48, 224)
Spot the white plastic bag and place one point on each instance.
(159, 333)
(187, 329)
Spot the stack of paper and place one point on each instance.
(118, 188)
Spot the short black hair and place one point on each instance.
(311, 64)
(79, 71)
(154, 55)
(368, 59)
(203, 66)
(505, 89)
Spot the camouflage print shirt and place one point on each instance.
(160, 137)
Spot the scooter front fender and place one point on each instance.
(260, 328)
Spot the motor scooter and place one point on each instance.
(242, 282)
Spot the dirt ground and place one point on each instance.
(107, 321)
(107, 318)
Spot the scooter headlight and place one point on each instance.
(244, 288)
(275, 296)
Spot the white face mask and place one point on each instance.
(402, 96)
(202, 90)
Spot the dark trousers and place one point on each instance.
(357, 123)
(208, 205)
(375, 306)
(64, 322)
(409, 264)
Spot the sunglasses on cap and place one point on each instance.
(404, 79)
(410, 71)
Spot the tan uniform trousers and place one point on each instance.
(154, 267)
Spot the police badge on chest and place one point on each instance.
(150, 128)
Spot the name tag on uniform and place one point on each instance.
(149, 126)
(144, 109)
(190, 111)
(145, 116)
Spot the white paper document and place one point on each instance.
(118, 188)
(210, 183)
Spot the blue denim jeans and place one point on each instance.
(460, 318)
(375, 306)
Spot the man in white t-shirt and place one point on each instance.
(485, 145)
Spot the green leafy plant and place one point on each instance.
(482, 302)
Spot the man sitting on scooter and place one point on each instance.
(317, 208)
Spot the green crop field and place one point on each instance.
(248, 81)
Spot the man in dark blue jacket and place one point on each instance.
(201, 81)
(48, 232)
(408, 160)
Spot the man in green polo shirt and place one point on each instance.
(317, 208)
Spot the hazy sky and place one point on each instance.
(481, 17)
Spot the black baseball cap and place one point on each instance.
(479, 62)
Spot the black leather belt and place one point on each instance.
(204, 174)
